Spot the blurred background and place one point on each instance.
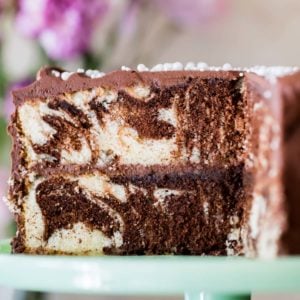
(106, 34)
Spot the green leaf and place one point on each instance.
(3, 77)
(90, 61)
(5, 246)
(5, 143)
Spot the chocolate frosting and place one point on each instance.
(47, 85)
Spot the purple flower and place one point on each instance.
(63, 27)
(5, 215)
(8, 105)
(3, 3)
(191, 12)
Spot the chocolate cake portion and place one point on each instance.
(142, 122)
(160, 162)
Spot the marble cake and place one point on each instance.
(172, 160)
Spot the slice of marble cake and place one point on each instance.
(151, 162)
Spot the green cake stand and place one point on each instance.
(196, 277)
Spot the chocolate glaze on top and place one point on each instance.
(47, 85)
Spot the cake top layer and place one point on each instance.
(53, 81)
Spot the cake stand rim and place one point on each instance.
(147, 275)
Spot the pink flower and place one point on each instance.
(3, 3)
(191, 12)
(8, 106)
(5, 215)
(63, 27)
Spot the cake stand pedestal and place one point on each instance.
(196, 277)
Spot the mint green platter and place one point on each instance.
(196, 277)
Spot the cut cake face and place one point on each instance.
(164, 162)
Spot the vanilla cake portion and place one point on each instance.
(163, 162)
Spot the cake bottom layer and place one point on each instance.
(204, 213)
